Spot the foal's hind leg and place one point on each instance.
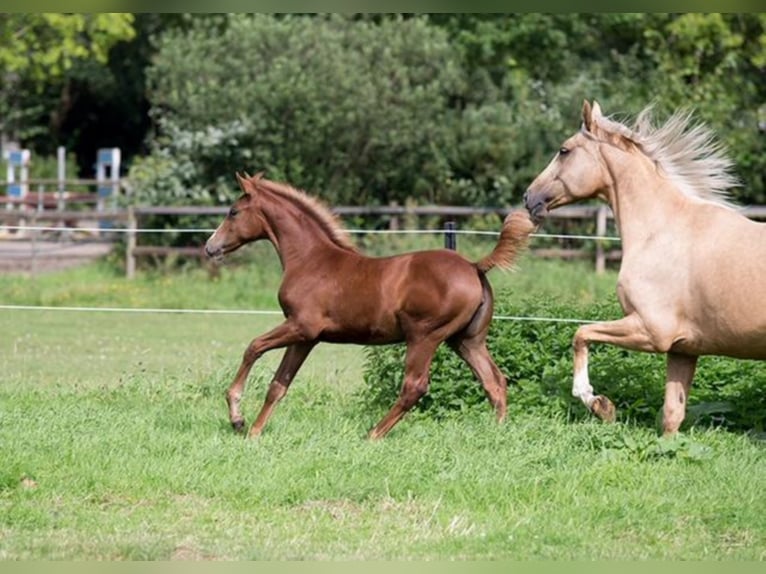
(474, 352)
(416, 373)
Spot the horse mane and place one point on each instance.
(686, 151)
(326, 219)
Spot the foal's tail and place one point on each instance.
(513, 240)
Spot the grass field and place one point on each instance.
(116, 445)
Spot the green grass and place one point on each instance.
(116, 445)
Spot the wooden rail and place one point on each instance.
(128, 221)
(604, 252)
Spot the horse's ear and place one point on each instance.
(243, 183)
(587, 115)
(596, 111)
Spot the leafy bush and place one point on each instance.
(357, 111)
(351, 108)
(536, 356)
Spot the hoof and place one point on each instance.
(374, 435)
(238, 425)
(604, 409)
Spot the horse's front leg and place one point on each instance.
(294, 357)
(281, 336)
(629, 333)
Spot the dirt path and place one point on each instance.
(44, 255)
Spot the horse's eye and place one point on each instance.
(233, 212)
(563, 151)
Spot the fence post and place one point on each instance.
(393, 224)
(108, 180)
(130, 256)
(33, 246)
(450, 237)
(601, 214)
(17, 188)
(61, 172)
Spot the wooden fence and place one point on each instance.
(106, 223)
(396, 214)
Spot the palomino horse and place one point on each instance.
(331, 292)
(692, 266)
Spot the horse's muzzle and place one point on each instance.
(537, 205)
(214, 252)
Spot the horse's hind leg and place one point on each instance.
(680, 372)
(474, 352)
(416, 374)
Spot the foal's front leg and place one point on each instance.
(281, 336)
(294, 357)
(629, 333)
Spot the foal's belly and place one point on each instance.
(362, 337)
(371, 327)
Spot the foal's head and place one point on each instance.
(576, 172)
(244, 222)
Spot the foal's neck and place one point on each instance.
(296, 235)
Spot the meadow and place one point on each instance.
(115, 445)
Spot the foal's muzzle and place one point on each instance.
(214, 249)
(218, 252)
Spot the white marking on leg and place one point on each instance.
(581, 387)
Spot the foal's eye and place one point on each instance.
(233, 211)
(563, 151)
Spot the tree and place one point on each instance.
(355, 110)
(715, 64)
(36, 50)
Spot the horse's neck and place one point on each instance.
(642, 201)
(295, 238)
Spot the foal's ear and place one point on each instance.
(244, 183)
(587, 115)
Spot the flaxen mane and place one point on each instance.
(688, 153)
(320, 213)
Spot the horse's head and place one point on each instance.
(577, 171)
(244, 222)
